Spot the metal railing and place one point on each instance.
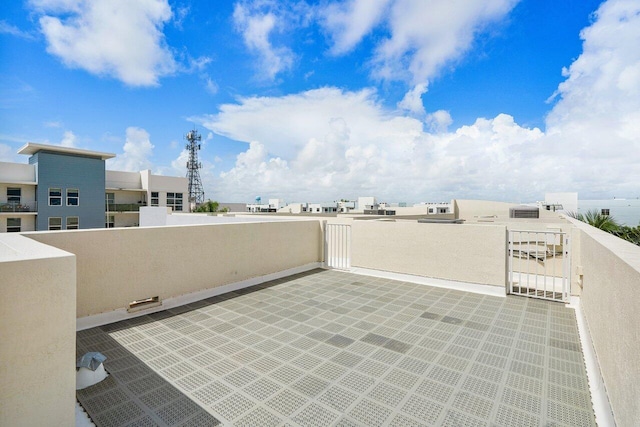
(539, 264)
(19, 207)
(123, 207)
(337, 243)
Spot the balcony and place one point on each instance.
(22, 207)
(123, 207)
(417, 331)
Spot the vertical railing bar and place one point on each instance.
(510, 261)
(330, 245)
(342, 247)
(348, 228)
(338, 246)
(520, 262)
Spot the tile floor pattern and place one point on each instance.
(329, 348)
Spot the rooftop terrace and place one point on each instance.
(244, 328)
(329, 348)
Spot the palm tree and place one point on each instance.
(603, 222)
(609, 224)
(630, 234)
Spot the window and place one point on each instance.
(55, 223)
(73, 197)
(72, 223)
(155, 198)
(605, 212)
(174, 200)
(13, 195)
(55, 197)
(14, 225)
(110, 198)
(110, 223)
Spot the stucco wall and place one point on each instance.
(610, 301)
(467, 253)
(118, 266)
(17, 172)
(37, 330)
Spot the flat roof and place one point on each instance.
(329, 348)
(33, 148)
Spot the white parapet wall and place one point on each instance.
(465, 253)
(610, 302)
(37, 333)
(118, 266)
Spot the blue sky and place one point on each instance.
(406, 100)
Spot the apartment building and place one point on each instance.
(63, 188)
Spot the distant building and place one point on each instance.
(64, 188)
(273, 206)
(624, 211)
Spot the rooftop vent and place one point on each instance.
(143, 304)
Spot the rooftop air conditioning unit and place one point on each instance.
(524, 212)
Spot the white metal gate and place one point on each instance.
(540, 264)
(337, 246)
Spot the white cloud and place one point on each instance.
(6, 153)
(439, 121)
(116, 38)
(423, 35)
(595, 125)
(412, 100)
(343, 144)
(256, 22)
(137, 152)
(211, 86)
(348, 22)
(68, 139)
(328, 143)
(6, 28)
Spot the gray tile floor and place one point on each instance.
(329, 348)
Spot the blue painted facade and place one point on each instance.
(67, 171)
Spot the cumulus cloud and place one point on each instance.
(439, 121)
(257, 21)
(329, 143)
(343, 144)
(116, 38)
(595, 125)
(412, 100)
(137, 152)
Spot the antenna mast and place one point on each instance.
(196, 192)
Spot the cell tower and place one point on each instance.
(196, 192)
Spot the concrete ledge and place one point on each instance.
(601, 405)
(609, 302)
(475, 288)
(37, 326)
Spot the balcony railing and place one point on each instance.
(123, 207)
(16, 207)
